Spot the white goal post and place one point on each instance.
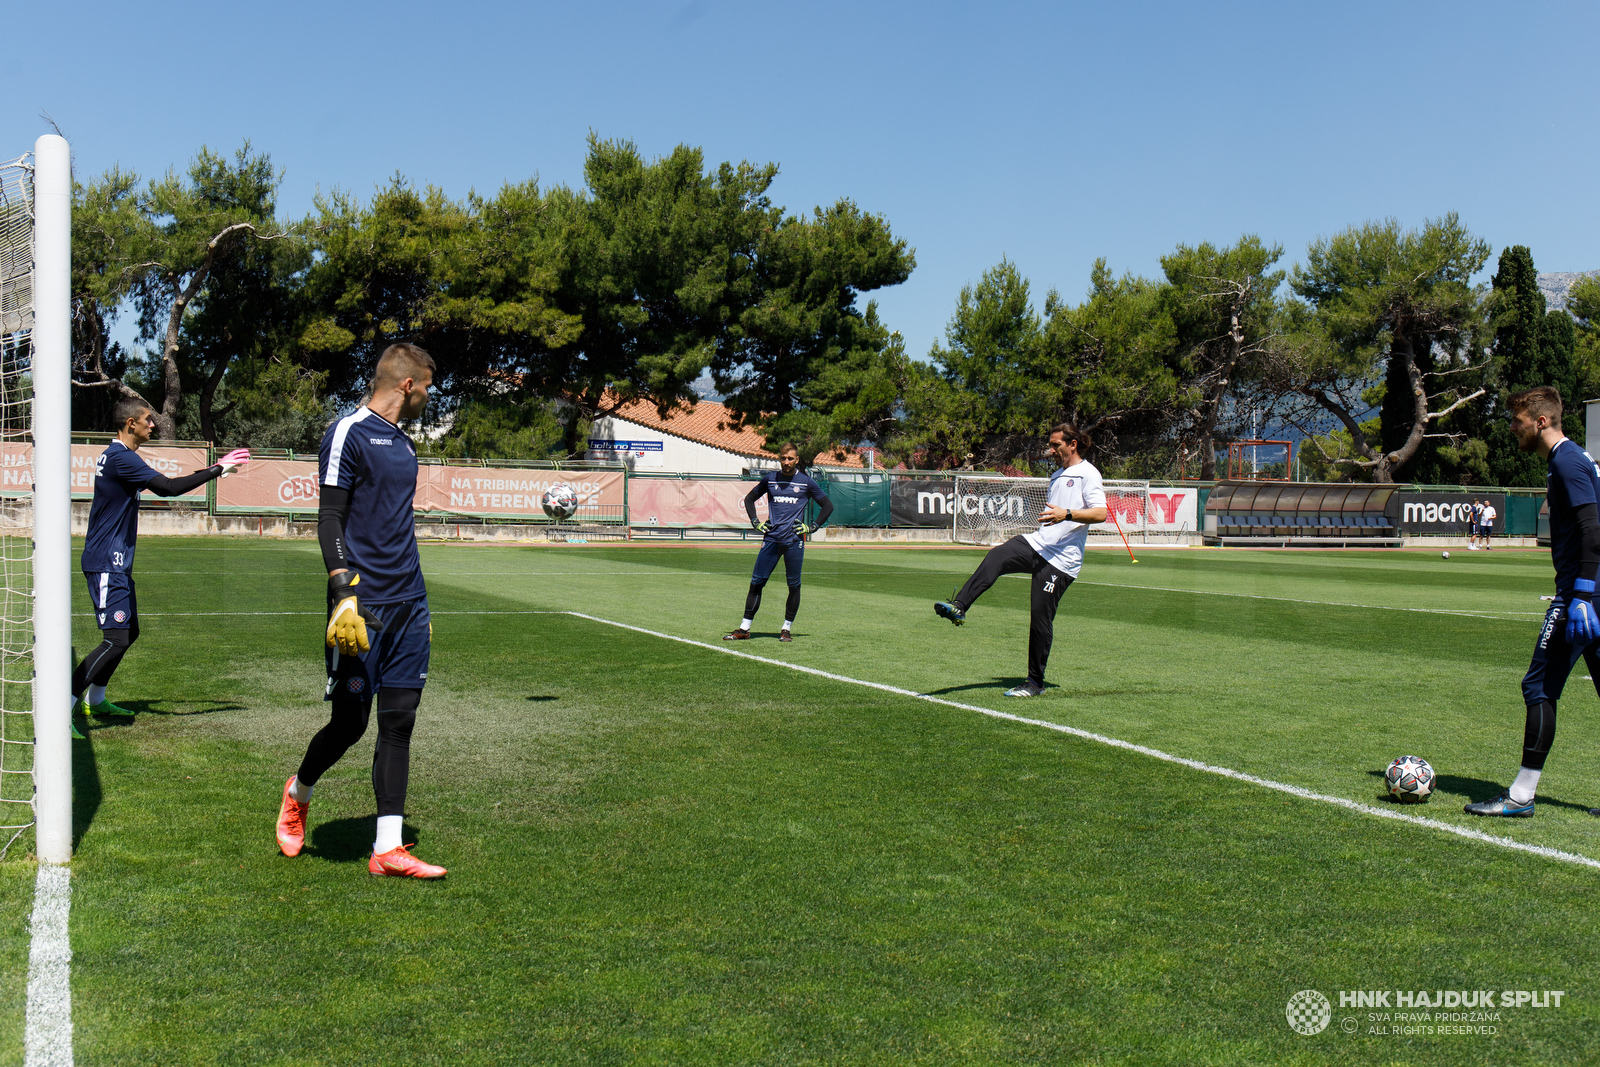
(991, 508)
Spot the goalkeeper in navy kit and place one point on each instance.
(787, 489)
(1570, 627)
(1053, 555)
(107, 562)
(380, 632)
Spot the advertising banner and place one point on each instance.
(282, 484)
(491, 491)
(1441, 513)
(291, 485)
(687, 502)
(16, 468)
(1168, 510)
(922, 502)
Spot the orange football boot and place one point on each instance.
(400, 862)
(291, 822)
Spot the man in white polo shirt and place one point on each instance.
(1053, 554)
(1486, 525)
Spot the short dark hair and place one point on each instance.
(788, 446)
(1071, 433)
(398, 362)
(1540, 400)
(128, 408)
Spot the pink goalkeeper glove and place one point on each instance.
(234, 460)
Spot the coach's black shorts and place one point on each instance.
(398, 658)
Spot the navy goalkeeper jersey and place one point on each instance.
(119, 475)
(1571, 481)
(369, 455)
(786, 502)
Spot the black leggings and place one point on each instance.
(99, 665)
(1014, 557)
(391, 759)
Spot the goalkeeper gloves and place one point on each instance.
(1583, 626)
(761, 527)
(349, 622)
(234, 461)
(805, 529)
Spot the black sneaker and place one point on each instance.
(946, 610)
(740, 634)
(1026, 689)
(1501, 805)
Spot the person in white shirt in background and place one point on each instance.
(1053, 554)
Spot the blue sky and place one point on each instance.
(1049, 134)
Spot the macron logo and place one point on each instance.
(381, 440)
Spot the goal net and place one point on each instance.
(16, 512)
(989, 509)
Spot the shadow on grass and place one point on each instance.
(349, 840)
(541, 699)
(997, 682)
(154, 707)
(1480, 789)
(86, 793)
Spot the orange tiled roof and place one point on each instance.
(708, 423)
(711, 423)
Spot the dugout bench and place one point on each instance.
(1286, 514)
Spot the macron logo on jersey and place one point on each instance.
(381, 440)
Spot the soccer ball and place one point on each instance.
(560, 501)
(1446, 555)
(1409, 779)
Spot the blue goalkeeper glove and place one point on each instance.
(349, 622)
(1583, 626)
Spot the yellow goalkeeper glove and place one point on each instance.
(349, 622)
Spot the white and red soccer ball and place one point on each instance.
(560, 501)
(1410, 779)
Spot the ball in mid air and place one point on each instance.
(1410, 779)
(560, 501)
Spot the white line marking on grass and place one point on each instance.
(1469, 613)
(48, 1039)
(1129, 746)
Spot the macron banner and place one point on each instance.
(1440, 513)
(16, 468)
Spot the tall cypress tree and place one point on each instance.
(1520, 362)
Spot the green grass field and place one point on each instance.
(664, 854)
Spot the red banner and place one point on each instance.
(16, 467)
(292, 485)
(687, 502)
(511, 492)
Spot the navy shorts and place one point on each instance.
(793, 556)
(398, 658)
(116, 604)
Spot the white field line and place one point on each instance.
(1470, 613)
(48, 1038)
(1154, 753)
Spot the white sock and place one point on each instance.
(300, 791)
(1527, 782)
(744, 624)
(97, 693)
(388, 834)
(786, 623)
